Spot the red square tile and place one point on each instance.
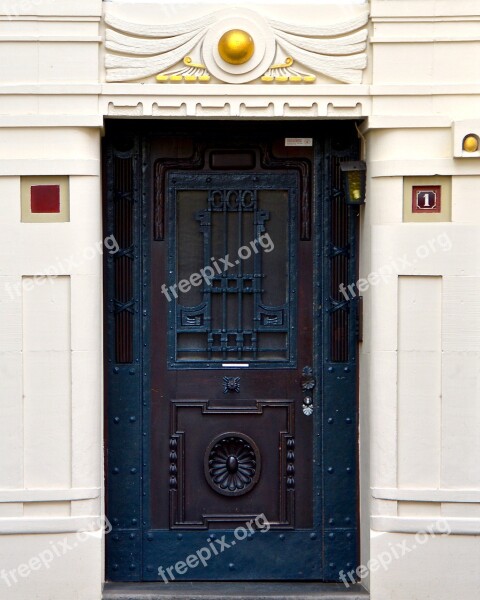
(45, 198)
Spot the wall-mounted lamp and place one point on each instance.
(354, 174)
(471, 143)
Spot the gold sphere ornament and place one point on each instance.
(236, 47)
(470, 143)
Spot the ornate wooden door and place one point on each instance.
(225, 472)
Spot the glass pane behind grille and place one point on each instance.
(237, 242)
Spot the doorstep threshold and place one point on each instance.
(234, 591)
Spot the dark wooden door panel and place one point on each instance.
(232, 399)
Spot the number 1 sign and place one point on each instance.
(427, 199)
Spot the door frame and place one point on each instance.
(126, 433)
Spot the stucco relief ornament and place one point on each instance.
(236, 46)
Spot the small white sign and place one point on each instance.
(298, 141)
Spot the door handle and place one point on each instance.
(308, 384)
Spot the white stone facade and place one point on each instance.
(418, 96)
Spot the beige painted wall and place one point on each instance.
(420, 367)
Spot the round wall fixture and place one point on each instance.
(471, 143)
(232, 464)
(236, 47)
(239, 47)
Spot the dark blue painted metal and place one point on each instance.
(123, 464)
(338, 423)
(133, 550)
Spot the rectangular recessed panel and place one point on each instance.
(231, 289)
(47, 382)
(232, 160)
(419, 381)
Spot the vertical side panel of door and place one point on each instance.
(123, 366)
(338, 343)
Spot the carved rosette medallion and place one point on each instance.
(232, 464)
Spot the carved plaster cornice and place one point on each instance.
(190, 51)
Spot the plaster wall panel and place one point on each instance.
(383, 419)
(68, 62)
(87, 508)
(57, 8)
(71, 569)
(47, 384)
(419, 509)
(461, 510)
(26, 143)
(11, 423)
(410, 143)
(456, 63)
(460, 105)
(460, 419)
(13, 104)
(46, 509)
(403, 63)
(466, 195)
(11, 510)
(428, 248)
(69, 29)
(73, 104)
(19, 62)
(87, 307)
(412, 105)
(86, 416)
(425, 31)
(383, 301)
(419, 381)
(384, 198)
(461, 314)
(444, 567)
(10, 315)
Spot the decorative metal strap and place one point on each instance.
(129, 306)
